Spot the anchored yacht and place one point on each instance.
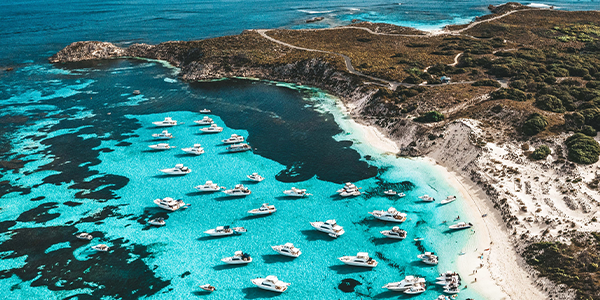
(238, 191)
(455, 279)
(212, 129)
(204, 121)
(415, 289)
(84, 236)
(460, 225)
(390, 193)
(208, 287)
(164, 135)
(225, 230)
(101, 247)
(271, 283)
(426, 198)
(157, 222)
(209, 186)
(255, 177)
(406, 283)
(349, 190)
(161, 146)
(401, 195)
(167, 122)
(238, 258)
(361, 259)
(169, 203)
(391, 215)
(239, 148)
(452, 288)
(287, 249)
(294, 192)
(448, 200)
(395, 233)
(205, 111)
(265, 209)
(428, 258)
(196, 149)
(234, 138)
(330, 226)
(447, 276)
(179, 169)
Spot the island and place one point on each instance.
(509, 102)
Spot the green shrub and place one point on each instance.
(550, 103)
(589, 130)
(487, 82)
(518, 84)
(582, 149)
(593, 84)
(541, 152)
(429, 117)
(535, 124)
(512, 94)
(413, 79)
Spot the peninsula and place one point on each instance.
(510, 103)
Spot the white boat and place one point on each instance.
(350, 193)
(447, 276)
(449, 281)
(208, 287)
(225, 230)
(294, 192)
(238, 258)
(406, 283)
(426, 198)
(452, 289)
(161, 146)
(330, 226)
(428, 258)
(209, 186)
(271, 283)
(395, 233)
(415, 289)
(157, 222)
(167, 122)
(204, 121)
(84, 236)
(361, 259)
(205, 111)
(164, 135)
(238, 191)
(391, 215)
(136, 92)
(448, 200)
(443, 297)
(265, 209)
(169, 203)
(101, 247)
(460, 225)
(255, 177)
(349, 190)
(196, 149)
(212, 129)
(390, 193)
(287, 249)
(239, 148)
(234, 138)
(401, 195)
(179, 169)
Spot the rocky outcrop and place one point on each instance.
(90, 50)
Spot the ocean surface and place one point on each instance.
(74, 157)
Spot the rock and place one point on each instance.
(315, 19)
(355, 21)
(89, 50)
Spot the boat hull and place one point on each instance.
(397, 237)
(354, 264)
(236, 262)
(263, 212)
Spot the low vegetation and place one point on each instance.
(541, 152)
(535, 124)
(430, 117)
(582, 149)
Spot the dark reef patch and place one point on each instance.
(347, 285)
(39, 214)
(110, 182)
(72, 203)
(38, 198)
(110, 211)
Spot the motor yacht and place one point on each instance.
(205, 111)
(294, 192)
(157, 222)
(179, 169)
(426, 198)
(460, 225)
(415, 289)
(391, 215)
(136, 92)
(330, 227)
(169, 203)
(406, 283)
(212, 129)
(449, 280)
(167, 122)
(204, 121)
(428, 258)
(401, 195)
(101, 247)
(287, 249)
(447, 276)
(349, 190)
(196, 149)
(347, 186)
(208, 287)
(238, 191)
(452, 289)
(234, 138)
(238, 148)
(255, 177)
(164, 135)
(390, 193)
(161, 146)
(209, 186)
(271, 283)
(361, 259)
(84, 236)
(238, 258)
(225, 230)
(395, 233)
(448, 200)
(265, 209)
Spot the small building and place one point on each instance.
(445, 79)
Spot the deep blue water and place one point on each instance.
(74, 157)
